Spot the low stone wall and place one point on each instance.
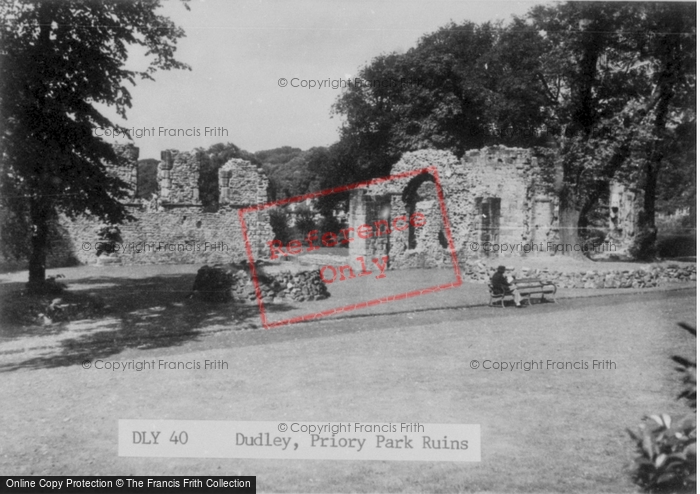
(181, 235)
(651, 276)
(302, 286)
(220, 283)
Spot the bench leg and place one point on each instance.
(496, 298)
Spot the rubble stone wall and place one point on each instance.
(178, 177)
(230, 282)
(647, 277)
(507, 179)
(302, 286)
(181, 235)
(241, 183)
(173, 228)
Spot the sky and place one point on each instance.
(239, 50)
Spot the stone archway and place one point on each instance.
(489, 196)
(420, 196)
(421, 246)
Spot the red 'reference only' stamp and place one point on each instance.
(330, 274)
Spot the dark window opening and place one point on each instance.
(419, 188)
(489, 210)
(412, 242)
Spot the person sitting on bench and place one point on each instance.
(501, 285)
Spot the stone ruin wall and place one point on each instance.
(621, 216)
(178, 177)
(510, 176)
(127, 156)
(174, 219)
(527, 211)
(241, 184)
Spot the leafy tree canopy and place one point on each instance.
(609, 86)
(278, 156)
(58, 60)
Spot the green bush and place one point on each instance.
(107, 238)
(680, 245)
(330, 224)
(213, 284)
(304, 220)
(280, 227)
(666, 460)
(689, 371)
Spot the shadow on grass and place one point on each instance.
(144, 313)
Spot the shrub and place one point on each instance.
(666, 460)
(304, 220)
(330, 224)
(107, 239)
(52, 285)
(213, 284)
(689, 371)
(280, 227)
(677, 245)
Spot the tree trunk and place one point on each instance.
(39, 243)
(569, 242)
(669, 79)
(644, 246)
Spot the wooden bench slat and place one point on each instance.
(527, 288)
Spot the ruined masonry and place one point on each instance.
(492, 195)
(173, 228)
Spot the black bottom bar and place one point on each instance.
(125, 485)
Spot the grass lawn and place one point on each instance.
(542, 431)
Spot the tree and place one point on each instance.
(278, 156)
(621, 71)
(303, 173)
(677, 178)
(436, 95)
(58, 60)
(668, 44)
(605, 85)
(587, 68)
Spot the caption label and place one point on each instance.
(300, 440)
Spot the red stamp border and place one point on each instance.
(431, 170)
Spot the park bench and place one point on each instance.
(527, 288)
